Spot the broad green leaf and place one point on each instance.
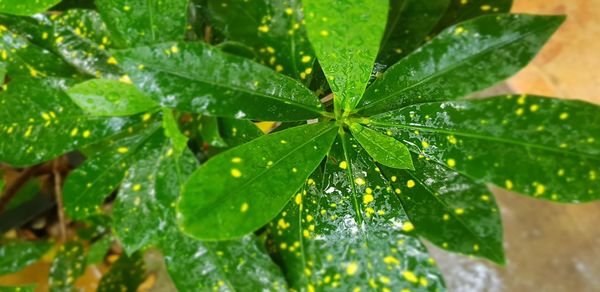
(461, 10)
(38, 121)
(99, 249)
(87, 186)
(16, 255)
(142, 22)
(242, 189)
(94, 227)
(28, 288)
(347, 230)
(274, 29)
(193, 77)
(237, 132)
(209, 130)
(22, 58)
(26, 7)
(346, 51)
(237, 265)
(384, 149)
(451, 65)
(26, 193)
(68, 264)
(78, 36)
(103, 97)
(171, 129)
(125, 275)
(543, 147)
(449, 209)
(409, 23)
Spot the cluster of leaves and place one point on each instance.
(148, 90)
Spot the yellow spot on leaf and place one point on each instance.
(136, 187)
(359, 181)
(324, 33)
(236, 172)
(352, 268)
(451, 163)
(112, 61)
(263, 28)
(367, 199)
(391, 260)
(409, 276)
(123, 150)
(459, 211)
(244, 207)
(508, 184)
(410, 183)
(343, 165)
(408, 226)
(564, 116)
(298, 199)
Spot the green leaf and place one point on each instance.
(193, 77)
(66, 267)
(28, 288)
(346, 51)
(461, 10)
(86, 187)
(125, 275)
(449, 209)
(451, 65)
(347, 230)
(16, 255)
(384, 149)
(209, 130)
(409, 24)
(39, 122)
(543, 147)
(240, 190)
(238, 265)
(99, 249)
(237, 132)
(26, 7)
(103, 97)
(142, 22)
(171, 127)
(274, 29)
(26, 193)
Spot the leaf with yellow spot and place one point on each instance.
(26, 7)
(461, 10)
(126, 274)
(264, 179)
(16, 255)
(384, 149)
(68, 264)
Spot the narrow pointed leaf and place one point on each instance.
(450, 66)
(38, 121)
(26, 7)
(409, 24)
(347, 230)
(87, 186)
(99, 249)
(16, 255)
(346, 51)
(274, 29)
(171, 129)
(127, 274)
(461, 10)
(242, 189)
(141, 22)
(68, 264)
(103, 97)
(449, 209)
(193, 77)
(543, 147)
(384, 149)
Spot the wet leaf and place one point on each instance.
(346, 51)
(461, 10)
(543, 147)
(126, 274)
(384, 149)
(99, 249)
(16, 255)
(143, 22)
(209, 130)
(450, 66)
(68, 264)
(251, 183)
(103, 97)
(38, 122)
(449, 209)
(26, 7)
(409, 23)
(347, 230)
(87, 186)
(193, 77)
(274, 29)
(237, 132)
(172, 131)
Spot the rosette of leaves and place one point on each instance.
(400, 155)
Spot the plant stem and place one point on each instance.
(59, 199)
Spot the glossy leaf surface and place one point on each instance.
(26, 7)
(450, 66)
(346, 51)
(274, 29)
(529, 144)
(141, 22)
(251, 183)
(347, 230)
(384, 149)
(68, 264)
(461, 10)
(449, 209)
(126, 274)
(38, 121)
(104, 97)
(87, 186)
(16, 255)
(409, 24)
(194, 77)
